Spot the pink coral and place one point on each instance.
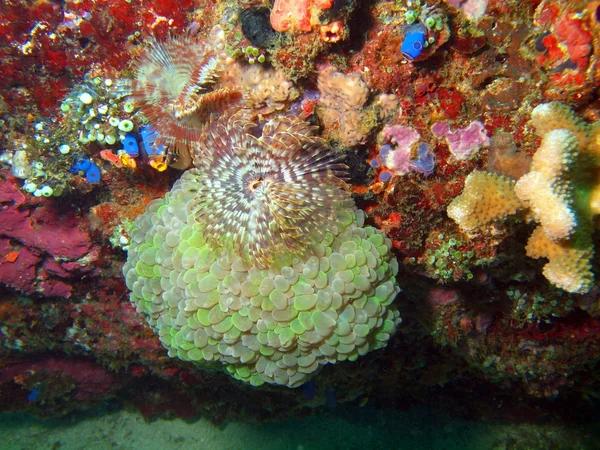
(401, 136)
(297, 15)
(50, 243)
(20, 273)
(398, 155)
(464, 142)
(472, 9)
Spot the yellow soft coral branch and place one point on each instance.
(561, 192)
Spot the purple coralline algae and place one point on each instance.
(463, 142)
(401, 136)
(396, 155)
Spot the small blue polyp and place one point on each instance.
(93, 173)
(149, 135)
(91, 170)
(414, 40)
(130, 145)
(80, 165)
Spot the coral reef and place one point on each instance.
(299, 16)
(565, 48)
(547, 355)
(438, 119)
(307, 15)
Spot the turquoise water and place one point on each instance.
(342, 429)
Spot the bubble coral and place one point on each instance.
(199, 272)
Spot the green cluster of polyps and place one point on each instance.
(97, 113)
(431, 16)
(278, 325)
(447, 262)
(531, 306)
(93, 111)
(254, 54)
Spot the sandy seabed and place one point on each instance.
(336, 429)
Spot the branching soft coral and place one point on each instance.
(561, 192)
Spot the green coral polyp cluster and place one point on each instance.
(276, 325)
(539, 307)
(432, 17)
(97, 113)
(448, 262)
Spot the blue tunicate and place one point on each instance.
(93, 173)
(383, 153)
(414, 40)
(91, 170)
(309, 389)
(33, 395)
(80, 165)
(385, 175)
(149, 135)
(130, 145)
(425, 161)
(374, 163)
